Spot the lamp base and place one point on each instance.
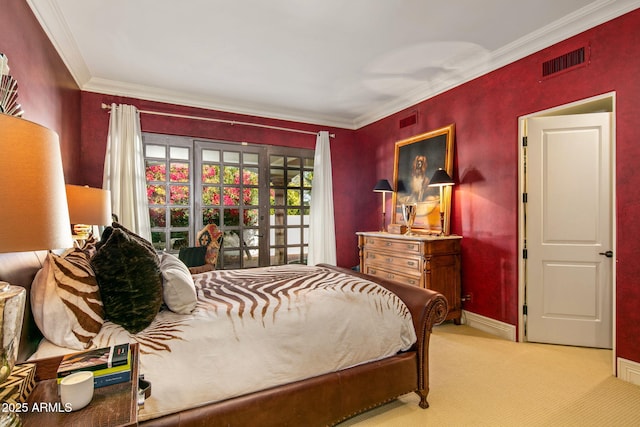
(82, 231)
(10, 419)
(384, 223)
(12, 301)
(397, 228)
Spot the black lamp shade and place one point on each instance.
(440, 178)
(383, 186)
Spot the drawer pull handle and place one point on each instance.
(412, 282)
(389, 259)
(373, 271)
(390, 276)
(411, 263)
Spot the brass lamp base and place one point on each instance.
(82, 231)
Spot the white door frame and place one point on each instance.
(600, 103)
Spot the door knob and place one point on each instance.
(608, 254)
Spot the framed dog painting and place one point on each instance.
(416, 160)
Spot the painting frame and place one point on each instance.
(416, 159)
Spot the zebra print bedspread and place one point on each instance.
(257, 328)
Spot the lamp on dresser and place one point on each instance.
(88, 207)
(34, 215)
(383, 186)
(441, 179)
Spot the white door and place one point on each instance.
(569, 230)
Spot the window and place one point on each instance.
(257, 195)
(290, 181)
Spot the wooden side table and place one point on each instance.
(114, 405)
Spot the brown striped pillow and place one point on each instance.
(65, 300)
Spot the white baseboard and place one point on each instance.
(629, 371)
(491, 326)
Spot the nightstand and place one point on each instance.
(431, 262)
(114, 405)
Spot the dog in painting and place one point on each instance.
(419, 178)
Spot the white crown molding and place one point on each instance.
(52, 22)
(117, 88)
(583, 19)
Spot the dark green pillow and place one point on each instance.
(129, 278)
(137, 238)
(108, 230)
(193, 256)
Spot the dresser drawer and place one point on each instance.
(392, 244)
(410, 265)
(392, 276)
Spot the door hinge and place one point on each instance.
(524, 141)
(524, 309)
(525, 197)
(525, 253)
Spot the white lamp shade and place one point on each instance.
(34, 212)
(91, 206)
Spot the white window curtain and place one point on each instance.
(124, 172)
(322, 231)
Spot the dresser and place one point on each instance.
(431, 262)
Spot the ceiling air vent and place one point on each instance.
(409, 120)
(565, 62)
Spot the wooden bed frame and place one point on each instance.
(324, 400)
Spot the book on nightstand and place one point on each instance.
(110, 365)
(110, 379)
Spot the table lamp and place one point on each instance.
(441, 179)
(34, 214)
(383, 187)
(88, 207)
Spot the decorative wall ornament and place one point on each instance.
(8, 90)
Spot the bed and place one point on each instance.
(288, 379)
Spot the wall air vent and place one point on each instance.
(409, 120)
(565, 62)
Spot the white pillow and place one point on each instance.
(178, 289)
(65, 300)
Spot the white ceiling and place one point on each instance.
(343, 63)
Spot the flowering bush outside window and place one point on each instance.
(179, 195)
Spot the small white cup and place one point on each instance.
(76, 390)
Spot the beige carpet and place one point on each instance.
(481, 380)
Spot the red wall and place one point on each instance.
(46, 90)
(485, 204)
